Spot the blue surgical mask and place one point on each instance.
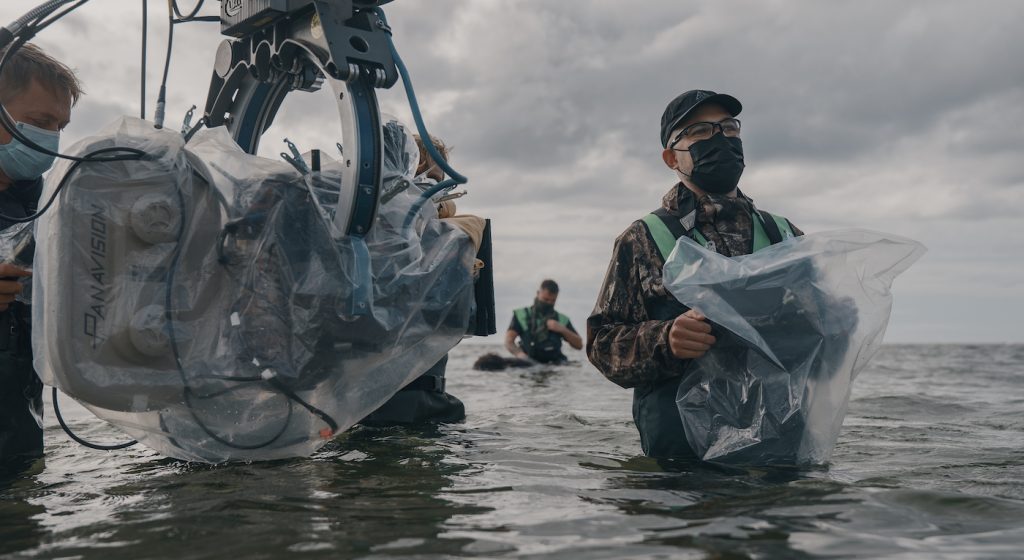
(21, 163)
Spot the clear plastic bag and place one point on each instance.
(200, 300)
(17, 247)
(795, 323)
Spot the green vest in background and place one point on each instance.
(536, 340)
(523, 318)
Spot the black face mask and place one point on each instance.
(542, 307)
(717, 163)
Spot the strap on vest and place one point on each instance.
(661, 234)
(761, 238)
(777, 227)
(784, 226)
(771, 227)
(665, 228)
(523, 317)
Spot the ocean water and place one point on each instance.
(930, 464)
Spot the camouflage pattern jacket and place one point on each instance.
(627, 340)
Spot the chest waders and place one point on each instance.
(546, 348)
(423, 401)
(654, 404)
(21, 392)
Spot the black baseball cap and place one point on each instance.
(681, 107)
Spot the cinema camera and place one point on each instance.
(221, 306)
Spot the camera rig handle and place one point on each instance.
(280, 46)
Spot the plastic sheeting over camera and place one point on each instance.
(795, 323)
(201, 300)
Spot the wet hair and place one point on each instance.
(30, 63)
(439, 145)
(549, 285)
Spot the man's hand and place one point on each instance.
(690, 336)
(556, 327)
(512, 347)
(9, 285)
(566, 333)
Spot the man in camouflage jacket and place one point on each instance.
(639, 335)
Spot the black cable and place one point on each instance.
(285, 391)
(35, 14)
(63, 183)
(67, 430)
(194, 13)
(161, 100)
(40, 27)
(30, 27)
(169, 316)
(207, 19)
(145, 52)
(170, 49)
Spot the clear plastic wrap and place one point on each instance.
(795, 323)
(17, 246)
(201, 301)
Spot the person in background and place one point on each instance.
(541, 329)
(38, 93)
(424, 400)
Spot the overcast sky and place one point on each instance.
(904, 117)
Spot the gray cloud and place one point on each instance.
(904, 117)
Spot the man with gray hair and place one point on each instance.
(38, 93)
(639, 335)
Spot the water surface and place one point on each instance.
(930, 464)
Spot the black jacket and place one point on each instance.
(20, 389)
(19, 200)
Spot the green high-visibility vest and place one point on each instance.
(523, 318)
(666, 240)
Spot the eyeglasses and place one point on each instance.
(705, 130)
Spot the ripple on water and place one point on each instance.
(548, 465)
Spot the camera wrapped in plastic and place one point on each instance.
(200, 300)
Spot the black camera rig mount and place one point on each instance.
(280, 46)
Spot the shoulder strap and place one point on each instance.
(785, 226)
(662, 235)
(522, 315)
(665, 228)
(564, 320)
(672, 223)
(771, 227)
